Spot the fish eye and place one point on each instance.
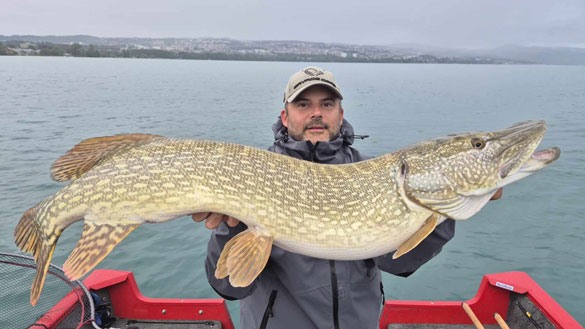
(478, 143)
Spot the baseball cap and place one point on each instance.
(307, 77)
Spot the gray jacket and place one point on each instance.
(297, 291)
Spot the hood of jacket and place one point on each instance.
(336, 151)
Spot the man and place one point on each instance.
(297, 291)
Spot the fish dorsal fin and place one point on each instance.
(418, 236)
(244, 257)
(86, 154)
(96, 242)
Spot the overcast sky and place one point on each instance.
(445, 23)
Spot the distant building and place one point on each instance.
(24, 51)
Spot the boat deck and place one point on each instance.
(437, 326)
(166, 324)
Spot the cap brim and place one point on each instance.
(292, 97)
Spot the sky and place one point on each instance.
(438, 23)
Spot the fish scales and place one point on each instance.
(345, 212)
(234, 179)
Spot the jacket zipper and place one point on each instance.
(268, 311)
(312, 152)
(335, 295)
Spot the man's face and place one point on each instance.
(315, 115)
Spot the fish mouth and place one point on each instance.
(540, 159)
(519, 142)
(537, 160)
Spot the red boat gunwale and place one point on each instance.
(62, 309)
(492, 296)
(128, 302)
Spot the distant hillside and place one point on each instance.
(53, 38)
(541, 55)
(289, 50)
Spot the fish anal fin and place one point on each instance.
(83, 156)
(244, 257)
(96, 242)
(426, 229)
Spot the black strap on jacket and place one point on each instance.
(382, 291)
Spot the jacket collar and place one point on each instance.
(322, 152)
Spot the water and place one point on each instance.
(49, 104)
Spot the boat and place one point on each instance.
(112, 299)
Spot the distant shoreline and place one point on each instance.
(281, 51)
(283, 60)
(31, 48)
(227, 57)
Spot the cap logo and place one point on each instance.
(315, 78)
(313, 72)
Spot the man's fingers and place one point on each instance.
(498, 194)
(215, 216)
(200, 216)
(232, 222)
(214, 220)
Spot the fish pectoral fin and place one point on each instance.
(96, 242)
(244, 257)
(418, 236)
(83, 156)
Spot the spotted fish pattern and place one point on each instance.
(351, 211)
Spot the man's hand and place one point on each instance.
(494, 197)
(213, 219)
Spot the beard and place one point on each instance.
(300, 135)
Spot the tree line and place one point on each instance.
(79, 50)
(49, 49)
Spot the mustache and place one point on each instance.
(316, 122)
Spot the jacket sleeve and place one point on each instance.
(219, 237)
(406, 264)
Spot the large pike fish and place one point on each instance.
(348, 212)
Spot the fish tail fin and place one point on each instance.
(27, 232)
(29, 237)
(43, 261)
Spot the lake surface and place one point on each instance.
(47, 105)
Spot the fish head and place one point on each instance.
(458, 174)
